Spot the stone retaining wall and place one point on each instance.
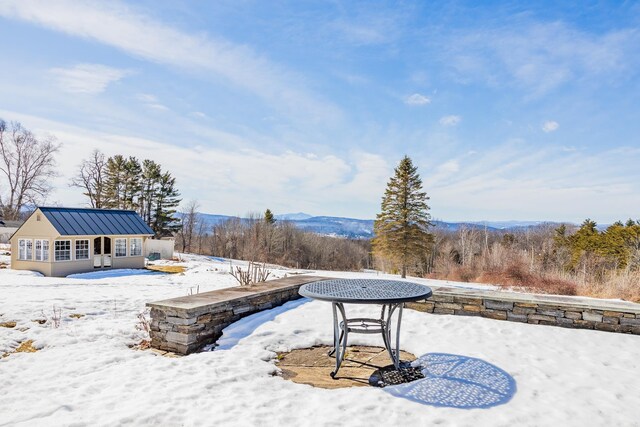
(186, 324)
(570, 312)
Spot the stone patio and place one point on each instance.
(312, 366)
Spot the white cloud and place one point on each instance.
(540, 57)
(151, 101)
(519, 180)
(87, 78)
(124, 27)
(229, 181)
(550, 126)
(417, 99)
(198, 114)
(450, 120)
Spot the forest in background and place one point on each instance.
(548, 258)
(565, 259)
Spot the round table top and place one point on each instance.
(365, 291)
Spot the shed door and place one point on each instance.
(97, 252)
(106, 255)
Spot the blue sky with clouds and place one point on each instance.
(509, 110)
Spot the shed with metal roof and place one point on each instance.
(59, 241)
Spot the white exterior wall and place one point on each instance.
(165, 247)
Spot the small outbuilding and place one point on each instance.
(62, 241)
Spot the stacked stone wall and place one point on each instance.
(186, 324)
(567, 312)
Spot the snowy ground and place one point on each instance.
(85, 372)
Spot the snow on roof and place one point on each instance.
(83, 222)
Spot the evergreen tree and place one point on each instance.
(164, 221)
(132, 184)
(268, 217)
(151, 174)
(401, 229)
(114, 183)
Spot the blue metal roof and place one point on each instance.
(88, 222)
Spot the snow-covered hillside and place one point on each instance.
(85, 373)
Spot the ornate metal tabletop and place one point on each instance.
(391, 294)
(365, 291)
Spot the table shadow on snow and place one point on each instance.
(453, 381)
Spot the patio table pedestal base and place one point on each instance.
(362, 325)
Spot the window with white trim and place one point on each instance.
(42, 250)
(135, 246)
(62, 250)
(45, 250)
(23, 255)
(82, 249)
(29, 249)
(121, 247)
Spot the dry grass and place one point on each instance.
(624, 285)
(24, 347)
(76, 315)
(516, 276)
(8, 324)
(142, 345)
(172, 269)
(616, 285)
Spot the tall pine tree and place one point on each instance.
(401, 229)
(164, 221)
(132, 184)
(115, 183)
(151, 174)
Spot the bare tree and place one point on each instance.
(91, 177)
(26, 166)
(190, 219)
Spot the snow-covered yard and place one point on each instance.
(86, 373)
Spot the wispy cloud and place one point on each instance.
(139, 35)
(417, 99)
(151, 101)
(541, 57)
(550, 126)
(229, 181)
(450, 120)
(87, 78)
(520, 180)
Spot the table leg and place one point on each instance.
(340, 335)
(387, 327)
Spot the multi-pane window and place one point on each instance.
(82, 249)
(62, 250)
(135, 246)
(121, 247)
(29, 251)
(42, 250)
(22, 249)
(45, 250)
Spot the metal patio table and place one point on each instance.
(391, 294)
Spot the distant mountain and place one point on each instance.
(336, 226)
(363, 228)
(294, 216)
(505, 225)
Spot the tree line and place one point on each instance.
(262, 238)
(564, 259)
(120, 182)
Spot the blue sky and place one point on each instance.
(509, 110)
